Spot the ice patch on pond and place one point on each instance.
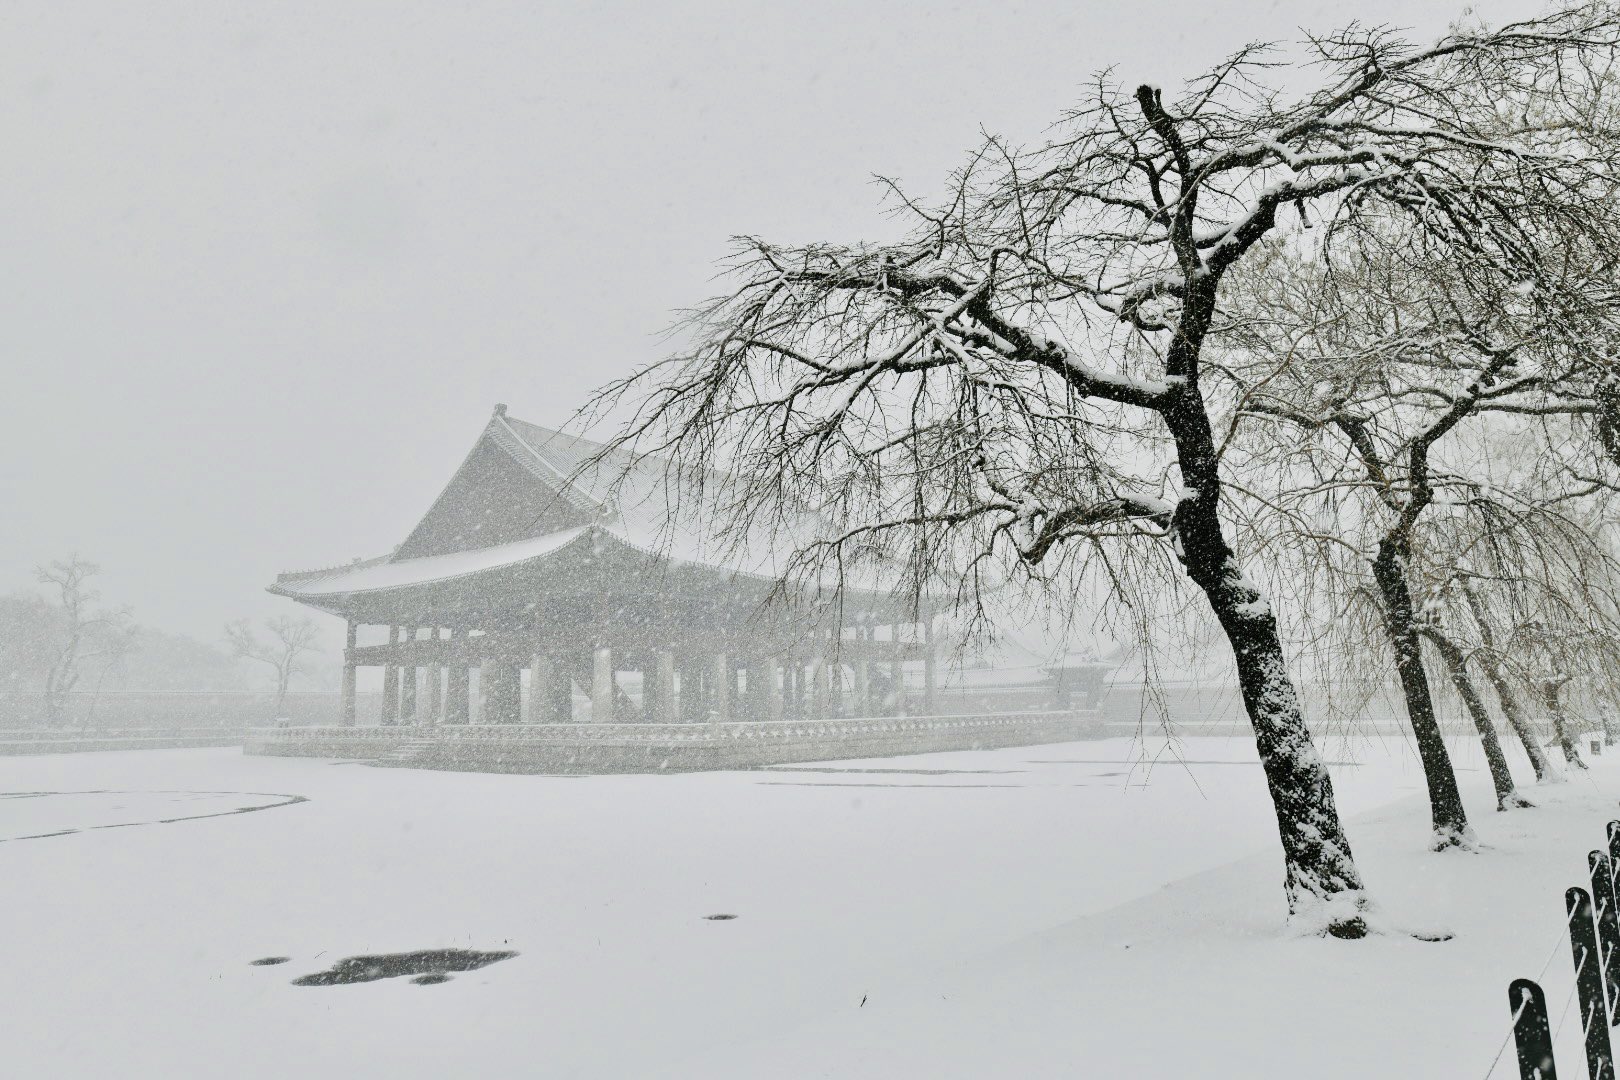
(429, 965)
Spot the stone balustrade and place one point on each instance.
(590, 748)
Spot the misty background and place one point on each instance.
(265, 272)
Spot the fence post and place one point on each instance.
(1589, 984)
(1608, 928)
(1532, 1037)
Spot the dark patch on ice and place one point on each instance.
(430, 965)
(266, 961)
(719, 918)
(285, 800)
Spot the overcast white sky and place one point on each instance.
(264, 268)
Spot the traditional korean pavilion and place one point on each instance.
(550, 554)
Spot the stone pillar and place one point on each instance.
(346, 714)
(501, 688)
(602, 686)
(821, 684)
(535, 712)
(773, 688)
(390, 690)
(560, 685)
(930, 671)
(664, 681)
(835, 675)
(791, 686)
(458, 695)
(897, 671)
(758, 694)
(863, 684)
(434, 705)
(407, 682)
(689, 704)
(721, 706)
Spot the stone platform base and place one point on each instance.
(648, 748)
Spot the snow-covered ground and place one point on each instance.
(1057, 911)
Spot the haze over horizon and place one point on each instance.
(267, 271)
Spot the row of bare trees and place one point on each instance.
(1355, 348)
(60, 640)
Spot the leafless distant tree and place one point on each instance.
(1005, 390)
(80, 625)
(290, 640)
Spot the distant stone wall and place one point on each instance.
(71, 742)
(89, 711)
(640, 748)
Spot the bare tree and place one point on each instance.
(1394, 354)
(1005, 388)
(79, 622)
(290, 640)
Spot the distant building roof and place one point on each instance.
(525, 496)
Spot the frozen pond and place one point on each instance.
(842, 878)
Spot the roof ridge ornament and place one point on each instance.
(500, 408)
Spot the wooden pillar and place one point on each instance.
(897, 670)
(346, 714)
(602, 686)
(390, 690)
(930, 671)
(458, 694)
(721, 706)
(664, 680)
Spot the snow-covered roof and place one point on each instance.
(381, 575)
(523, 494)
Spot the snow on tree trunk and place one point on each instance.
(1321, 878)
(1322, 883)
(1566, 740)
(1509, 702)
(1507, 796)
(1445, 800)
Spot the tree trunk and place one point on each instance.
(1507, 796)
(1521, 726)
(1505, 697)
(1445, 801)
(1566, 741)
(1321, 880)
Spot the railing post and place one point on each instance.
(1531, 1035)
(1614, 848)
(1589, 984)
(1608, 928)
